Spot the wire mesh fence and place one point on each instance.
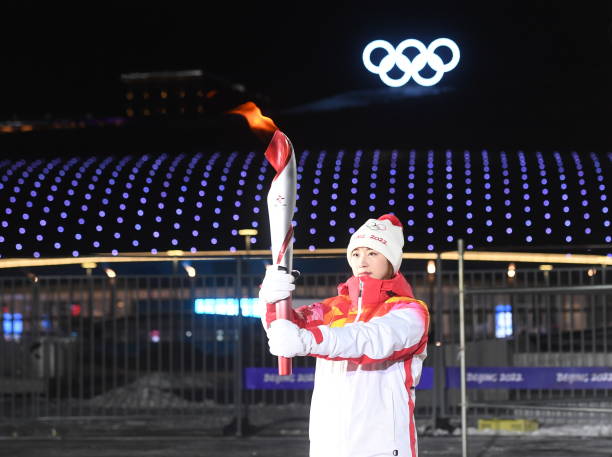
(160, 346)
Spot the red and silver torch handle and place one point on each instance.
(281, 205)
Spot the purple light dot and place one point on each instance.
(509, 230)
(43, 222)
(135, 243)
(430, 247)
(155, 234)
(332, 239)
(212, 241)
(57, 245)
(114, 252)
(18, 246)
(489, 238)
(548, 230)
(39, 237)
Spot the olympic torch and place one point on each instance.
(281, 201)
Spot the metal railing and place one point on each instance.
(93, 346)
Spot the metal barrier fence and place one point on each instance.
(91, 346)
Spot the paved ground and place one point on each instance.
(187, 446)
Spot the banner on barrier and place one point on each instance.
(561, 378)
(302, 378)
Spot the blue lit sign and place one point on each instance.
(503, 321)
(410, 68)
(226, 306)
(12, 325)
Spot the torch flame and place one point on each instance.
(261, 125)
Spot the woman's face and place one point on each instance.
(368, 262)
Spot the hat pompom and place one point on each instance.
(391, 218)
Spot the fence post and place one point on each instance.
(462, 352)
(439, 392)
(238, 369)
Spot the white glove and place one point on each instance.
(277, 285)
(288, 340)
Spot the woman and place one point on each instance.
(370, 341)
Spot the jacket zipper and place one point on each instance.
(359, 301)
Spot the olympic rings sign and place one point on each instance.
(411, 68)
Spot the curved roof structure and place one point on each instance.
(517, 200)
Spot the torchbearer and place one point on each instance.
(281, 205)
(370, 341)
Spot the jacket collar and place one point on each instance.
(375, 290)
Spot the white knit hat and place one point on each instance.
(384, 235)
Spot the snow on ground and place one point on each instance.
(158, 391)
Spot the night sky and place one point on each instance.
(54, 61)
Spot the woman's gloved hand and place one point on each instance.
(288, 340)
(277, 285)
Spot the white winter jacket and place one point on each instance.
(371, 341)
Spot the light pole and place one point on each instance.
(247, 234)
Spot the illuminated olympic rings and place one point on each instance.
(411, 69)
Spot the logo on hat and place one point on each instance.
(375, 225)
